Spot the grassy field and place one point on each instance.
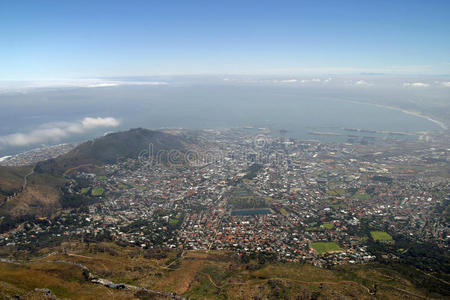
(123, 186)
(381, 236)
(323, 247)
(142, 188)
(327, 226)
(173, 222)
(97, 191)
(362, 196)
(284, 212)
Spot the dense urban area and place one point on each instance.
(270, 197)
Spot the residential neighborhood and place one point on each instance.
(258, 194)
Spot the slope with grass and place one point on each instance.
(37, 191)
(208, 275)
(114, 147)
(381, 236)
(26, 193)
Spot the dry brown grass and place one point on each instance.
(198, 275)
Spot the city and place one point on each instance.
(305, 201)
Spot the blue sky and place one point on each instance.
(73, 39)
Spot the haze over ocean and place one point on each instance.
(299, 106)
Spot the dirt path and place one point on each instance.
(88, 257)
(25, 178)
(167, 267)
(77, 255)
(434, 277)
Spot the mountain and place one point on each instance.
(38, 191)
(114, 147)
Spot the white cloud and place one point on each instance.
(23, 86)
(293, 80)
(288, 81)
(362, 82)
(90, 123)
(416, 84)
(311, 80)
(56, 131)
(406, 69)
(101, 85)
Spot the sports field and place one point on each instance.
(381, 236)
(323, 247)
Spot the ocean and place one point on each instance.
(301, 113)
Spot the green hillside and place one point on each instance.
(113, 147)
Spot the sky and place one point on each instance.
(93, 39)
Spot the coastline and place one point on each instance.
(4, 158)
(405, 111)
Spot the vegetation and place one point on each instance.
(381, 236)
(252, 171)
(208, 275)
(324, 247)
(173, 222)
(64, 280)
(46, 190)
(362, 196)
(11, 180)
(328, 226)
(113, 147)
(97, 191)
(25, 195)
(284, 212)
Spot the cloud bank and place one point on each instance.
(416, 84)
(24, 86)
(53, 132)
(288, 81)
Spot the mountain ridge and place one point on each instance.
(114, 147)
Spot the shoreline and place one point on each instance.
(5, 158)
(405, 111)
